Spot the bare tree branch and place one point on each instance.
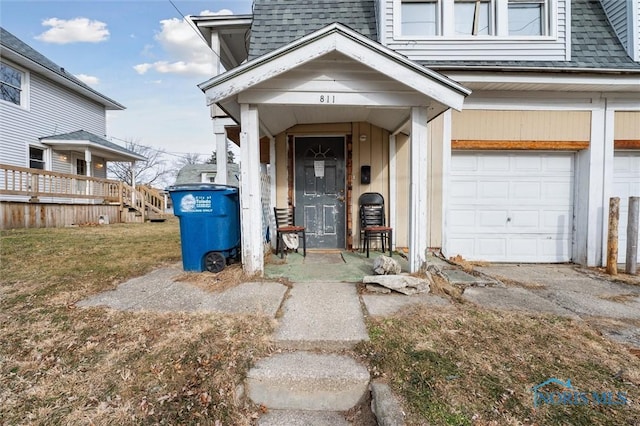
(151, 171)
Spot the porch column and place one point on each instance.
(393, 187)
(87, 160)
(418, 200)
(133, 184)
(221, 150)
(272, 189)
(250, 203)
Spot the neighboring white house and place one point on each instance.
(53, 149)
(495, 129)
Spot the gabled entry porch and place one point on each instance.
(327, 104)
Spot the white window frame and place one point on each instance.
(46, 154)
(499, 20)
(24, 89)
(492, 20)
(546, 20)
(397, 20)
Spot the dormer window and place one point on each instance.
(473, 17)
(420, 17)
(430, 20)
(528, 17)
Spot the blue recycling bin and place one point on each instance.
(209, 224)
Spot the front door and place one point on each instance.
(319, 187)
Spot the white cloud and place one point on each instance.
(73, 31)
(187, 53)
(142, 68)
(218, 13)
(88, 79)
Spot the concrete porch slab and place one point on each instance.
(346, 266)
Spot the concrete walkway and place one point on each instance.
(310, 380)
(566, 290)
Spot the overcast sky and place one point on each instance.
(141, 53)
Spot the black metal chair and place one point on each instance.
(373, 222)
(285, 224)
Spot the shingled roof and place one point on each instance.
(594, 44)
(279, 22)
(83, 135)
(10, 42)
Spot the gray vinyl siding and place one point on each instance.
(52, 109)
(487, 48)
(637, 31)
(616, 11)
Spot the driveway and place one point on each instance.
(612, 306)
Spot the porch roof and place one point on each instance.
(364, 81)
(81, 139)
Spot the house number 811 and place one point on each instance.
(327, 99)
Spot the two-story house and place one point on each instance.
(53, 151)
(495, 129)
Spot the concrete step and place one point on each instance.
(321, 315)
(307, 381)
(302, 418)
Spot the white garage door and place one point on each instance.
(515, 207)
(626, 183)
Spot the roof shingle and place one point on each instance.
(594, 44)
(279, 22)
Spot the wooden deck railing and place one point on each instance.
(43, 183)
(62, 187)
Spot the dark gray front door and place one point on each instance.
(320, 198)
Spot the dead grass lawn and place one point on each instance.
(63, 365)
(466, 365)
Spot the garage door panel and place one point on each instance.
(496, 220)
(516, 207)
(493, 163)
(466, 163)
(526, 190)
(524, 220)
(493, 189)
(560, 165)
(464, 189)
(626, 183)
(529, 164)
(558, 191)
(492, 247)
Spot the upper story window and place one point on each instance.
(528, 17)
(429, 19)
(473, 17)
(419, 17)
(12, 82)
(36, 158)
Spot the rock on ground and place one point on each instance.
(385, 265)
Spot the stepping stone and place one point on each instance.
(302, 418)
(307, 381)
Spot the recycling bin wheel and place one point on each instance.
(214, 262)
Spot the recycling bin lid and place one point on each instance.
(201, 187)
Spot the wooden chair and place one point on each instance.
(285, 224)
(372, 222)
